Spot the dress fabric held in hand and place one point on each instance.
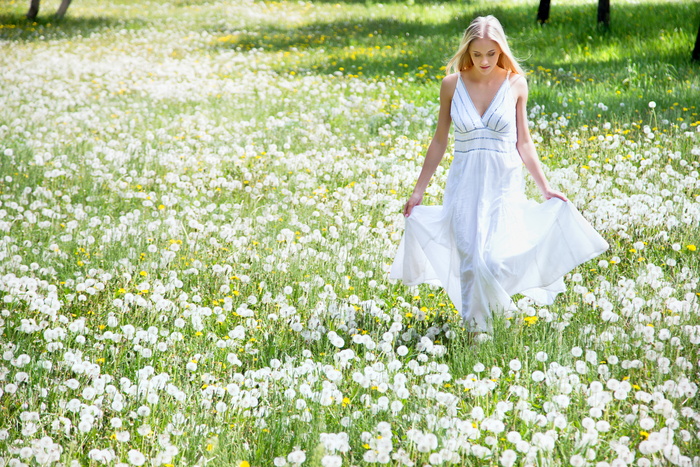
(487, 241)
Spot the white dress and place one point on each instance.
(488, 241)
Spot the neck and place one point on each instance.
(496, 74)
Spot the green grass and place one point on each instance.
(270, 145)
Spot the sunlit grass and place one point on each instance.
(207, 190)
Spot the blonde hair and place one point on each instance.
(484, 27)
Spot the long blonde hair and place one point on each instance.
(484, 27)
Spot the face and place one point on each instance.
(484, 53)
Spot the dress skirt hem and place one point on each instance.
(530, 257)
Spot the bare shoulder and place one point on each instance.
(449, 83)
(450, 80)
(518, 84)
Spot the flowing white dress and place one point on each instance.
(488, 241)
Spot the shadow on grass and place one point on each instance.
(371, 3)
(16, 27)
(654, 36)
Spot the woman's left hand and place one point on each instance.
(549, 194)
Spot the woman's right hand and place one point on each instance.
(413, 201)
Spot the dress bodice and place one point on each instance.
(488, 241)
(495, 130)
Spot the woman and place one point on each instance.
(488, 241)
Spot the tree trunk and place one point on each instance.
(604, 13)
(543, 11)
(61, 12)
(33, 10)
(696, 50)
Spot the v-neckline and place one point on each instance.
(493, 99)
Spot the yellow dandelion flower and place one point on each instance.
(530, 320)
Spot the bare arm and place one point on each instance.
(525, 145)
(438, 145)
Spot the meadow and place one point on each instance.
(200, 202)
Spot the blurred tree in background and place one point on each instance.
(696, 50)
(603, 12)
(34, 9)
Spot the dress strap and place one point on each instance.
(508, 73)
(517, 77)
